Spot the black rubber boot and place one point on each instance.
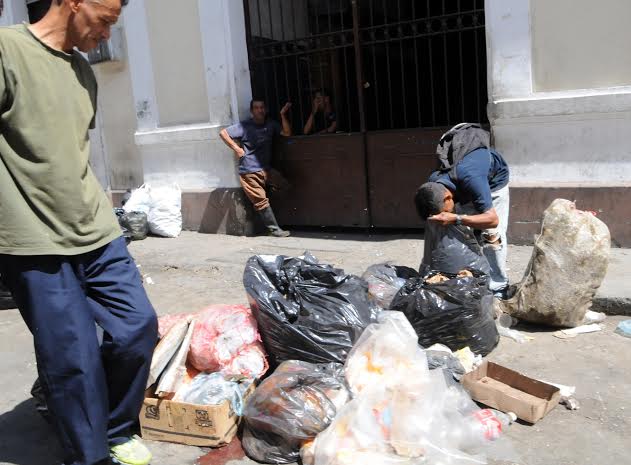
(269, 220)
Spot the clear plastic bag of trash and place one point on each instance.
(289, 408)
(306, 310)
(568, 265)
(402, 412)
(213, 389)
(385, 352)
(385, 280)
(452, 248)
(456, 310)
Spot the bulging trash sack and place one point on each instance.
(305, 310)
(402, 413)
(452, 248)
(162, 205)
(453, 310)
(225, 339)
(290, 408)
(385, 280)
(165, 216)
(568, 265)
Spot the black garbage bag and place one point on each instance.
(134, 225)
(305, 310)
(457, 312)
(291, 407)
(452, 248)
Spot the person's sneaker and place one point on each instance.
(133, 452)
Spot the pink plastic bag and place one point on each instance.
(225, 339)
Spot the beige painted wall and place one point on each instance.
(117, 121)
(178, 69)
(580, 44)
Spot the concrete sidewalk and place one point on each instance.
(196, 270)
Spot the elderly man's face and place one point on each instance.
(91, 21)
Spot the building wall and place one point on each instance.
(194, 82)
(580, 44)
(115, 142)
(560, 123)
(178, 68)
(563, 136)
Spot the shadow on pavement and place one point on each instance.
(26, 438)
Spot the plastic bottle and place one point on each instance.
(482, 426)
(493, 422)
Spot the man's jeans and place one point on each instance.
(494, 242)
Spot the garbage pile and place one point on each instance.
(306, 310)
(400, 412)
(156, 210)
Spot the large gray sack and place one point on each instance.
(566, 269)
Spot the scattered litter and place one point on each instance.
(468, 359)
(510, 391)
(567, 395)
(624, 328)
(568, 265)
(513, 334)
(440, 356)
(456, 312)
(594, 317)
(305, 310)
(147, 279)
(573, 332)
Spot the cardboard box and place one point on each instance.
(509, 391)
(193, 425)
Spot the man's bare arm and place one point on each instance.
(230, 142)
(286, 130)
(486, 220)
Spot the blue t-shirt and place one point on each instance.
(257, 141)
(478, 174)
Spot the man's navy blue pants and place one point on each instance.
(94, 393)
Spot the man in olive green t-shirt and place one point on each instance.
(61, 251)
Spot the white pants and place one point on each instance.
(494, 241)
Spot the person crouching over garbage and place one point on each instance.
(257, 136)
(471, 188)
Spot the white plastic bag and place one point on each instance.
(140, 200)
(165, 215)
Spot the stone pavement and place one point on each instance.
(195, 270)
